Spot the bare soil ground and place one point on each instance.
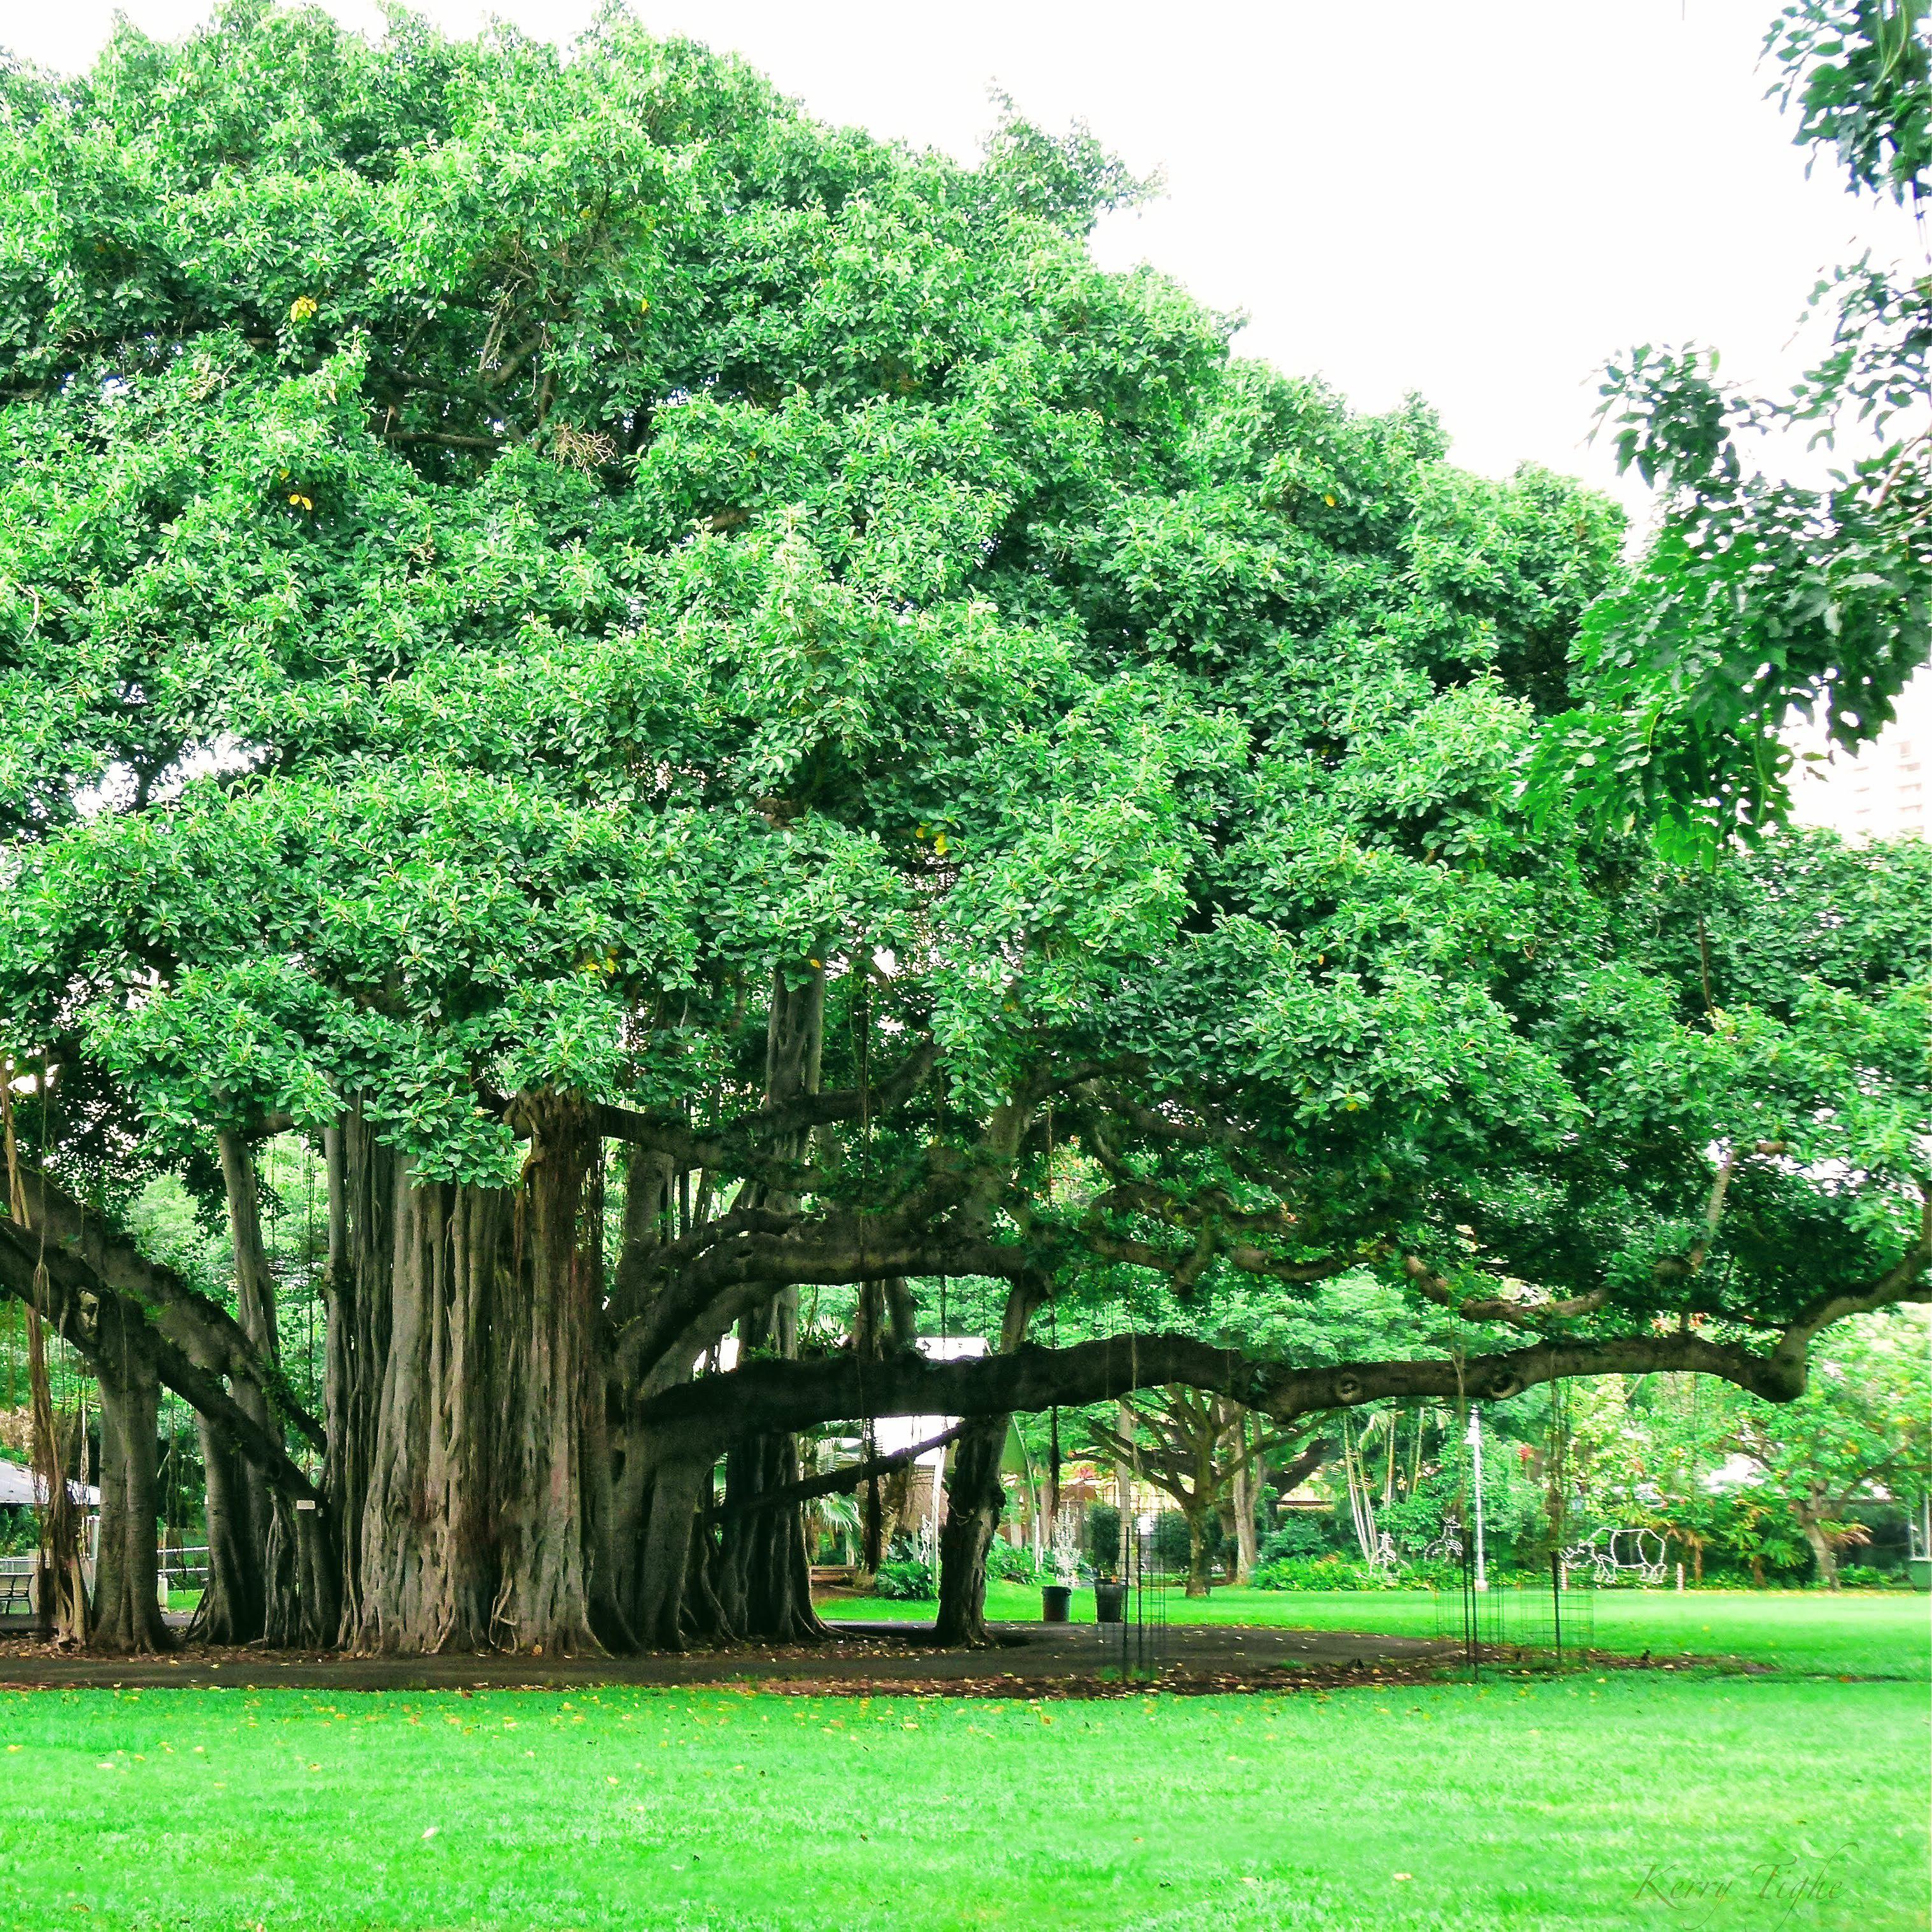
(1027, 1660)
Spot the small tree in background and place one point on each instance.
(1861, 1434)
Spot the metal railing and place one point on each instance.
(183, 1569)
(176, 1569)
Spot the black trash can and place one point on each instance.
(1110, 1603)
(1056, 1603)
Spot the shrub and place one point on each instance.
(1864, 1576)
(1103, 1538)
(19, 1532)
(1334, 1572)
(1172, 1546)
(1008, 1563)
(1297, 1536)
(905, 1579)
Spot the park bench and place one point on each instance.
(17, 1585)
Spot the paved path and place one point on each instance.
(1027, 1660)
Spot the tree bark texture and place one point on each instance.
(126, 1612)
(764, 1586)
(1810, 1513)
(232, 1606)
(490, 1517)
(427, 1577)
(1200, 1577)
(976, 1498)
(554, 1385)
(1244, 1489)
(974, 1503)
(255, 1310)
(763, 1579)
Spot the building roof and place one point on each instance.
(19, 1489)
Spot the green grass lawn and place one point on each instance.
(1544, 1805)
(1867, 1634)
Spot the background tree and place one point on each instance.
(1862, 1435)
(1198, 1447)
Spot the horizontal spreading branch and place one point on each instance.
(743, 1142)
(1499, 1307)
(757, 1251)
(797, 1395)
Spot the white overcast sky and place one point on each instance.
(1479, 201)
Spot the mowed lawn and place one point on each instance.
(1857, 1633)
(1552, 1804)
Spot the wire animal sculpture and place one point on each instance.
(1612, 1554)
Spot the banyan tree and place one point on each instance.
(717, 716)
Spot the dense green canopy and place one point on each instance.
(534, 574)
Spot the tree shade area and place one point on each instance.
(740, 739)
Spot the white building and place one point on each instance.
(1881, 793)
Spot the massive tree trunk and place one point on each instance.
(362, 1184)
(974, 1503)
(765, 1576)
(681, 1487)
(126, 1612)
(661, 1550)
(427, 1579)
(243, 1596)
(255, 1310)
(232, 1599)
(885, 1320)
(650, 1184)
(554, 1385)
(291, 1548)
(763, 1573)
(303, 1608)
(489, 1517)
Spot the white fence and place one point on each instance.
(178, 1569)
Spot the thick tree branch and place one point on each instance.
(72, 1285)
(1906, 1282)
(767, 1395)
(1532, 1314)
(202, 1328)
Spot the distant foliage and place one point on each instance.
(905, 1579)
(1009, 1563)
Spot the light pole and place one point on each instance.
(1475, 1440)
